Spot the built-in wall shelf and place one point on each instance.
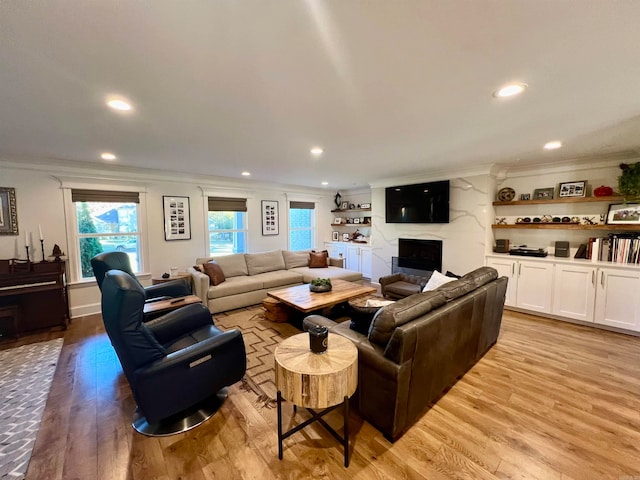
(568, 226)
(337, 210)
(610, 199)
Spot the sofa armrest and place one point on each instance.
(179, 322)
(200, 284)
(336, 262)
(317, 320)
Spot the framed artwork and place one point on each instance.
(344, 205)
(8, 212)
(177, 220)
(525, 196)
(573, 189)
(623, 214)
(335, 236)
(337, 220)
(345, 237)
(270, 217)
(543, 193)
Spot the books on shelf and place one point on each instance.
(623, 248)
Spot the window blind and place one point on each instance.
(80, 195)
(302, 205)
(222, 204)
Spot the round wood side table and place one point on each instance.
(316, 380)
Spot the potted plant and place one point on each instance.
(629, 181)
(319, 285)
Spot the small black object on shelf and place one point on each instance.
(165, 275)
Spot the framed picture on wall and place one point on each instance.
(8, 212)
(177, 220)
(270, 217)
(335, 236)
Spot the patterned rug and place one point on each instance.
(25, 380)
(260, 339)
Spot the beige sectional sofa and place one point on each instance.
(249, 276)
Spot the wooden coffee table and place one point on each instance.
(304, 300)
(316, 380)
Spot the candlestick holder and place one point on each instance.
(27, 247)
(42, 246)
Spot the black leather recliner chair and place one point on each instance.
(104, 262)
(177, 365)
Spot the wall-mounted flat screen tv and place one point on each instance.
(419, 203)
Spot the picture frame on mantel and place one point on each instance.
(270, 220)
(177, 218)
(8, 211)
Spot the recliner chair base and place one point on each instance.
(182, 421)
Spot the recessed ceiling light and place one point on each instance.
(108, 156)
(245, 173)
(316, 151)
(510, 90)
(119, 104)
(325, 183)
(552, 145)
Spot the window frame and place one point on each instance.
(231, 195)
(73, 236)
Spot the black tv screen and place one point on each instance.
(419, 203)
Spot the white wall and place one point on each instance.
(40, 202)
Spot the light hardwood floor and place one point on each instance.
(550, 400)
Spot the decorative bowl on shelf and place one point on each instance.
(506, 194)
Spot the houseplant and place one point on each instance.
(319, 285)
(629, 181)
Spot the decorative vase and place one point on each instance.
(338, 200)
(603, 191)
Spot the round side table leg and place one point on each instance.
(279, 397)
(346, 431)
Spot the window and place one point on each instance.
(302, 225)
(227, 225)
(105, 222)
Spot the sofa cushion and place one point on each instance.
(264, 262)
(295, 259)
(232, 265)
(235, 285)
(401, 312)
(436, 280)
(455, 289)
(481, 276)
(401, 289)
(214, 272)
(309, 274)
(279, 278)
(318, 259)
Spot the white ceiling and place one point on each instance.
(387, 88)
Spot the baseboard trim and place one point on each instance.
(84, 310)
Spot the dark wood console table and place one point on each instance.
(36, 293)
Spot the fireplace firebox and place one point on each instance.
(417, 256)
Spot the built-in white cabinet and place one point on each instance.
(336, 250)
(574, 291)
(598, 292)
(359, 258)
(618, 298)
(530, 283)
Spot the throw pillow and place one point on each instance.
(215, 273)
(452, 275)
(361, 318)
(436, 280)
(318, 259)
(199, 268)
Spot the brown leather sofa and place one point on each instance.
(416, 348)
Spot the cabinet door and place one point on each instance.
(353, 258)
(574, 291)
(618, 298)
(535, 281)
(506, 268)
(366, 261)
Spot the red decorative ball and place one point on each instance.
(603, 191)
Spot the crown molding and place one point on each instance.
(433, 176)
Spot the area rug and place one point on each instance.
(25, 379)
(261, 337)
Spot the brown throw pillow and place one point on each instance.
(318, 259)
(215, 273)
